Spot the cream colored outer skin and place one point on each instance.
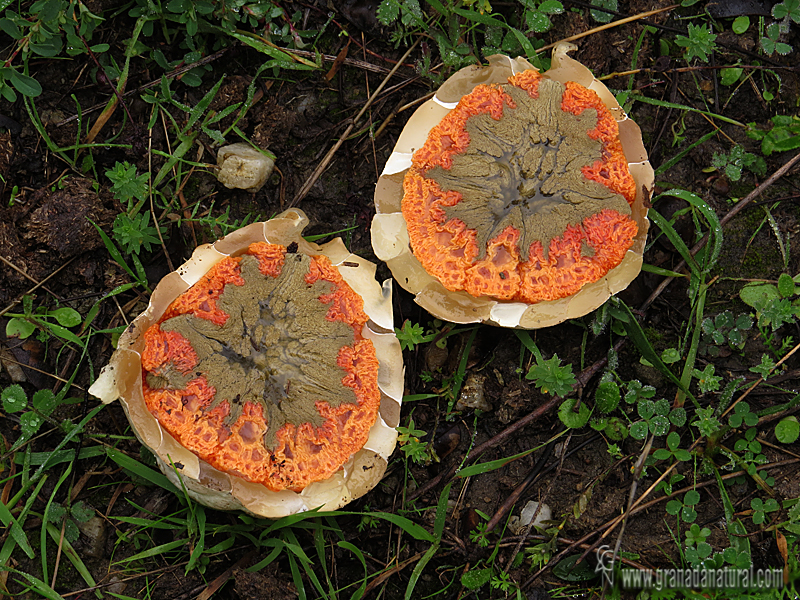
(122, 378)
(243, 167)
(390, 235)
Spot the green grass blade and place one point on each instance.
(668, 230)
(56, 458)
(691, 355)
(460, 374)
(69, 552)
(279, 547)
(682, 154)
(169, 524)
(90, 316)
(737, 535)
(17, 532)
(528, 342)
(202, 106)
(46, 518)
(659, 271)
(117, 255)
(493, 465)
(639, 338)
(134, 466)
(438, 529)
(40, 586)
(416, 531)
(155, 551)
(199, 547)
(282, 59)
(664, 104)
(296, 578)
(360, 556)
(715, 228)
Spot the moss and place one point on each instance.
(756, 259)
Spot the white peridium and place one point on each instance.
(516, 524)
(121, 379)
(243, 167)
(390, 237)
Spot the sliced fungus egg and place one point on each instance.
(264, 372)
(515, 197)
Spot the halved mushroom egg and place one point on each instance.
(265, 373)
(515, 197)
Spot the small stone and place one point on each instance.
(516, 524)
(472, 394)
(243, 167)
(95, 531)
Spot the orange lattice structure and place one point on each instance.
(302, 453)
(449, 249)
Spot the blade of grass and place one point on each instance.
(691, 355)
(663, 272)
(56, 458)
(458, 377)
(284, 60)
(46, 518)
(319, 546)
(438, 529)
(36, 584)
(137, 468)
(198, 529)
(17, 532)
(11, 543)
(493, 465)
(155, 551)
(293, 545)
(737, 534)
(715, 227)
(639, 338)
(664, 104)
(117, 255)
(668, 230)
(90, 316)
(680, 155)
(73, 557)
(296, 578)
(279, 547)
(360, 556)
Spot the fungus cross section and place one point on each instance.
(261, 370)
(522, 192)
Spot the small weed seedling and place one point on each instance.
(784, 135)
(411, 444)
(34, 413)
(132, 228)
(47, 321)
(775, 306)
(785, 12)
(724, 330)
(699, 43)
(736, 161)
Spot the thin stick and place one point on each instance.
(578, 36)
(326, 161)
(37, 286)
(170, 75)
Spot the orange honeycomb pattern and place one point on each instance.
(303, 454)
